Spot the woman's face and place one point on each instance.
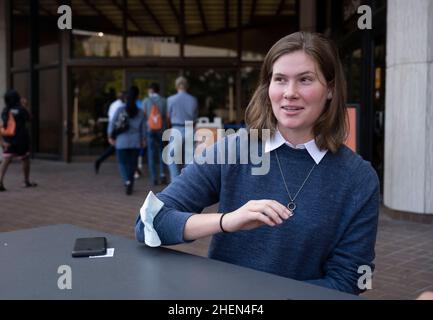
(298, 93)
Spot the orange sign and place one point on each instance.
(352, 117)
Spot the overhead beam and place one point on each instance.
(245, 27)
(100, 13)
(154, 18)
(202, 17)
(175, 13)
(128, 15)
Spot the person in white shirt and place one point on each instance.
(120, 102)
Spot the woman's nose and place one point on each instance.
(290, 91)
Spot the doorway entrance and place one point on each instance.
(142, 79)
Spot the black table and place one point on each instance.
(29, 262)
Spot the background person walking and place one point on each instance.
(18, 144)
(155, 111)
(129, 142)
(181, 107)
(120, 102)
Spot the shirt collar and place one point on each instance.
(278, 140)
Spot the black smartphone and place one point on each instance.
(85, 247)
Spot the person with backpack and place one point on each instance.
(15, 137)
(127, 134)
(155, 111)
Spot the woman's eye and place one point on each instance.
(278, 79)
(306, 80)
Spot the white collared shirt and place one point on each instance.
(313, 150)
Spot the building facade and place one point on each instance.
(71, 76)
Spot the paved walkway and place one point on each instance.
(72, 193)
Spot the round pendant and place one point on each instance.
(291, 206)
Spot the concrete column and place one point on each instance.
(408, 181)
(3, 64)
(307, 18)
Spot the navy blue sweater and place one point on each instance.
(332, 233)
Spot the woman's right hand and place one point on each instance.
(256, 213)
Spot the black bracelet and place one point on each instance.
(221, 222)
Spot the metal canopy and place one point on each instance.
(162, 18)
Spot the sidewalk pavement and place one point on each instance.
(74, 194)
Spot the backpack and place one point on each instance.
(11, 125)
(121, 124)
(154, 120)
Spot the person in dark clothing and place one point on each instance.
(18, 145)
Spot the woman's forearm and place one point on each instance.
(202, 225)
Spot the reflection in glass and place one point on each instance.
(48, 37)
(212, 46)
(21, 82)
(153, 46)
(93, 92)
(250, 80)
(50, 112)
(95, 44)
(214, 90)
(20, 34)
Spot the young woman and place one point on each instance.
(129, 142)
(313, 216)
(18, 145)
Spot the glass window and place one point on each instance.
(48, 35)
(20, 34)
(93, 91)
(95, 44)
(98, 28)
(353, 71)
(209, 31)
(20, 82)
(215, 91)
(264, 23)
(250, 80)
(50, 112)
(153, 46)
(223, 46)
(153, 28)
(143, 78)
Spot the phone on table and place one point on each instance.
(86, 247)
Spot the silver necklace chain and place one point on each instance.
(292, 206)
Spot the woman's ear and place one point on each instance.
(330, 90)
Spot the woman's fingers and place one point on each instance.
(272, 209)
(283, 211)
(264, 218)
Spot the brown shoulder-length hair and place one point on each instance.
(330, 129)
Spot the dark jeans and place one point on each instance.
(127, 160)
(154, 151)
(107, 153)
